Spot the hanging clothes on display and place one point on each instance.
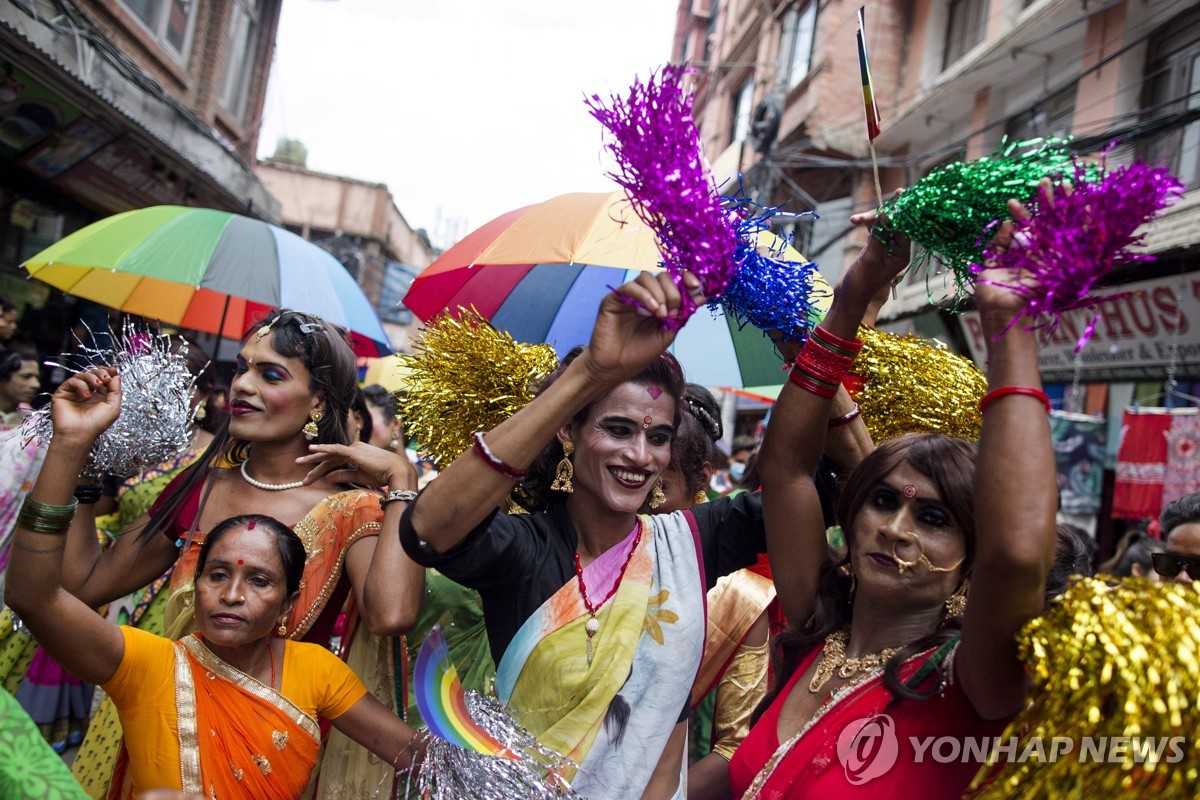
(1079, 442)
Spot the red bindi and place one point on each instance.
(240, 562)
(250, 525)
(909, 490)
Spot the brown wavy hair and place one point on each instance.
(947, 461)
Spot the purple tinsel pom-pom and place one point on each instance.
(662, 169)
(1074, 237)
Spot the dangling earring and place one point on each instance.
(310, 429)
(394, 444)
(701, 496)
(565, 470)
(283, 625)
(956, 604)
(657, 496)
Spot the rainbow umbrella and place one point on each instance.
(207, 270)
(539, 273)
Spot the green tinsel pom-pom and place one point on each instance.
(947, 213)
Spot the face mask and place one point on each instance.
(736, 470)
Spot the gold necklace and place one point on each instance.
(833, 658)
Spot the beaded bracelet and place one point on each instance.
(847, 418)
(88, 494)
(996, 394)
(493, 460)
(46, 517)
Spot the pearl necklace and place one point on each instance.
(268, 487)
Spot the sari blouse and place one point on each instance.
(146, 691)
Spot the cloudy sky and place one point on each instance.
(466, 109)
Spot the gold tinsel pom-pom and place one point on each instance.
(466, 376)
(916, 385)
(1109, 661)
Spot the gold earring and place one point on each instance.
(657, 496)
(700, 497)
(311, 431)
(283, 625)
(565, 470)
(956, 604)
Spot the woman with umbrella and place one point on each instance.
(294, 383)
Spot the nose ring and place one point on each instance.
(903, 566)
(242, 599)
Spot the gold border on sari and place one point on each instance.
(185, 711)
(210, 661)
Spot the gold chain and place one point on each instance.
(833, 658)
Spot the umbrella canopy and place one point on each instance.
(389, 373)
(539, 273)
(207, 270)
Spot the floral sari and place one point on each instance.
(646, 654)
(237, 737)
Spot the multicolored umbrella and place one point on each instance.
(539, 273)
(207, 270)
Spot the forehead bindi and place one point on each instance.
(634, 401)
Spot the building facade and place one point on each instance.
(111, 105)
(359, 223)
(779, 101)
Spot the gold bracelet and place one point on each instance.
(46, 517)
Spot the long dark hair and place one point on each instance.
(325, 351)
(291, 549)
(534, 493)
(947, 461)
(696, 435)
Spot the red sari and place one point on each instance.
(870, 728)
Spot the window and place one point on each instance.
(797, 42)
(170, 21)
(239, 58)
(743, 105)
(1050, 116)
(710, 36)
(964, 29)
(1174, 61)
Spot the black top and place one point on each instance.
(518, 561)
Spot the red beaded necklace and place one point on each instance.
(593, 625)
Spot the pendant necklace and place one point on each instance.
(592, 627)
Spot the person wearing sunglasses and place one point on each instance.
(1181, 529)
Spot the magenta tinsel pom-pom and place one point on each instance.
(662, 169)
(1067, 246)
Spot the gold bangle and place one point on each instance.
(46, 517)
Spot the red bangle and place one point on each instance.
(812, 383)
(847, 418)
(849, 347)
(493, 460)
(996, 394)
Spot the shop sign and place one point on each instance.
(1135, 330)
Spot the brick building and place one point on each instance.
(359, 223)
(111, 105)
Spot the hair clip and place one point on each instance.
(310, 327)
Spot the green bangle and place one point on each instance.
(46, 517)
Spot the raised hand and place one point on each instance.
(998, 289)
(359, 463)
(636, 323)
(885, 256)
(86, 404)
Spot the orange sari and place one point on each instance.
(237, 737)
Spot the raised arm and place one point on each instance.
(796, 438)
(1015, 499)
(624, 340)
(387, 584)
(87, 645)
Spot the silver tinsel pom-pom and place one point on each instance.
(155, 423)
(449, 772)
